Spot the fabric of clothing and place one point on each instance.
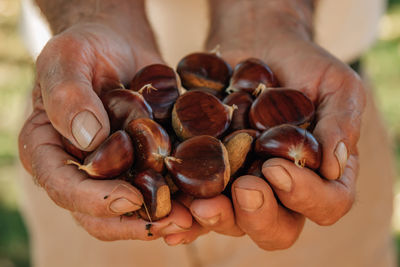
(362, 238)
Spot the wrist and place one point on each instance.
(259, 21)
(62, 14)
(123, 19)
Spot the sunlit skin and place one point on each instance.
(93, 53)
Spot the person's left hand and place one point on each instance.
(324, 196)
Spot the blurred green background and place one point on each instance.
(382, 63)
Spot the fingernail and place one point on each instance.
(341, 156)
(85, 126)
(248, 199)
(174, 242)
(209, 221)
(278, 177)
(124, 199)
(122, 205)
(172, 228)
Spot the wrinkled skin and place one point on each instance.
(340, 99)
(77, 65)
(88, 58)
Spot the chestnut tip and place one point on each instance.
(148, 87)
(260, 89)
(216, 50)
(168, 159)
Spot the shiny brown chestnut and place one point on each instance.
(204, 70)
(279, 106)
(123, 105)
(113, 157)
(151, 143)
(156, 195)
(240, 118)
(238, 147)
(200, 113)
(290, 142)
(160, 86)
(73, 150)
(249, 73)
(200, 166)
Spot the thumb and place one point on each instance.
(73, 107)
(339, 121)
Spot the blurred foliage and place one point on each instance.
(382, 63)
(16, 75)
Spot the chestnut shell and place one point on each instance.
(123, 105)
(166, 84)
(73, 150)
(199, 70)
(200, 166)
(113, 157)
(281, 106)
(290, 142)
(249, 73)
(156, 194)
(199, 113)
(151, 143)
(240, 117)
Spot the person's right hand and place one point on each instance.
(72, 70)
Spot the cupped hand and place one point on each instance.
(72, 71)
(324, 196)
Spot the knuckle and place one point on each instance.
(339, 209)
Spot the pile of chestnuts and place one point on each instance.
(198, 128)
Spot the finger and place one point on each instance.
(41, 151)
(134, 228)
(216, 214)
(258, 214)
(339, 113)
(65, 77)
(302, 190)
(186, 237)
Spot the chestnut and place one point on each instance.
(255, 168)
(238, 147)
(151, 143)
(156, 195)
(204, 70)
(200, 113)
(113, 157)
(249, 73)
(253, 133)
(159, 85)
(279, 106)
(240, 118)
(73, 150)
(200, 166)
(172, 186)
(290, 142)
(123, 105)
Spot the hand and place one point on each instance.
(73, 68)
(283, 42)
